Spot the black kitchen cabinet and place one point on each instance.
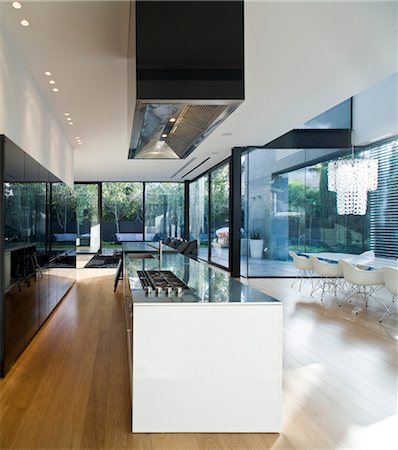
(33, 278)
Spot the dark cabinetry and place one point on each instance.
(34, 277)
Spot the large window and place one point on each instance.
(122, 213)
(87, 218)
(164, 210)
(199, 215)
(383, 203)
(284, 209)
(63, 218)
(210, 227)
(219, 215)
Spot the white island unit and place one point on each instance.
(209, 361)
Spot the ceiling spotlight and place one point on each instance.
(66, 114)
(52, 82)
(164, 135)
(55, 89)
(16, 5)
(68, 118)
(79, 143)
(77, 137)
(24, 23)
(70, 123)
(173, 119)
(47, 73)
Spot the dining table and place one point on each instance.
(364, 260)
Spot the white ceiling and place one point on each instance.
(301, 58)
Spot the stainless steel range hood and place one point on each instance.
(174, 130)
(189, 72)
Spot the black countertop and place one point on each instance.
(206, 285)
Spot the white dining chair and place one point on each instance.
(363, 282)
(363, 260)
(391, 283)
(330, 275)
(304, 266)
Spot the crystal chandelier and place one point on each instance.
(352, 179)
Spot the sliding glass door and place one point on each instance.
(88, 236)
(209, 221)
(199, 215)
(286, 205)
(164, 210)
(219, 215)
(122, 214)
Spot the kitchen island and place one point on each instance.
(208, 359)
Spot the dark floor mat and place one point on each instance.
(103, 262)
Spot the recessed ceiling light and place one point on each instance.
(173, 119)
(70, 123)
(68, 118)
(55, 89)
(52, 82)
(16, 5)
(164, 135)
(227, 134)
(79, 143)
(24, 23)
(47, 73)
(66, 114)
(77, 137)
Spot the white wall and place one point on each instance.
(376, 112)
(301, 59)
(26, 118)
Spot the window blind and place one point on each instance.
(383, 203)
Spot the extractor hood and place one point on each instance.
(189, 73)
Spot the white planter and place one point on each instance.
(256, 248)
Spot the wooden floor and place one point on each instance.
(70, 389)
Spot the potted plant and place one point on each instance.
(256, 244)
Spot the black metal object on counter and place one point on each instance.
(160, 278)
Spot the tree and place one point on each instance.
(121, 201)
(165, 202)
(86, 204)
(220, 196)
(63, 205)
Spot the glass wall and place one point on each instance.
(383, 203)
(199, 215)
(122, 213)
(63, 218)
(164, 210)
(288, 208)
(210, 227)
(87, 218)
(219, 215)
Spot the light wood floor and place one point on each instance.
(70, 389)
